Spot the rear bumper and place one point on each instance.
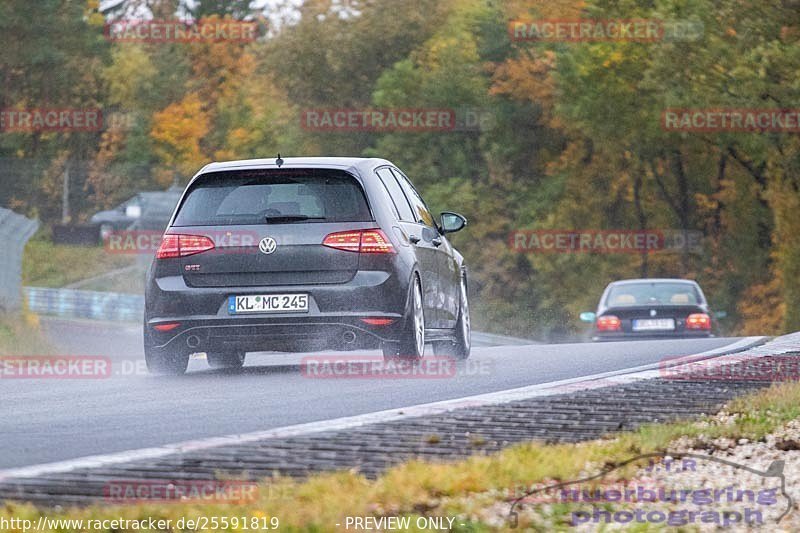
(333, 321)
(629, 336)
(274, 334)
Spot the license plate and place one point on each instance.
(268, 303)
(654, 324)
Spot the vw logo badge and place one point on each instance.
(267, 245)
(653, 312)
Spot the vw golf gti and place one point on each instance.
(304, 254)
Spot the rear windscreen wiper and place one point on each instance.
(277, 219)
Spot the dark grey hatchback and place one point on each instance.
(304, 254)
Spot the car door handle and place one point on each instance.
(436, 242)
(414, 239)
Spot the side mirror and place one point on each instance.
(588, 316)
(452, 222)
(721, 314)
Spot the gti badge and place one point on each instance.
(652, 312)
(267, 245)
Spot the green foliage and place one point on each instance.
(236, 8)
(569, 134)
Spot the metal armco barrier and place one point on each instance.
(95, 305)
(113, 306)
(15, 230)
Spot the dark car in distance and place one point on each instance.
(146, 210)
(304, 254)
(651, 308)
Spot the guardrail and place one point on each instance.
(479, 338)
(15, 230)
(95, 305)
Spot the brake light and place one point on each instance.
(374, 241)
(349, 241)
(169, 326)
(609, 323)
(377, 321)
(173, 246)
(367, 241)
(698, 321)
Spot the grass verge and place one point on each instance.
(45, 264)
(417, 488)
(20, 334)
(127, 281)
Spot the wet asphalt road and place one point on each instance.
(47, 420)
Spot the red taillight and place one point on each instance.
(698, 321)
(166, 327)
(374, 241)
(609, 323)
(366, 241)
(349, 241)
(173, 246)
(377, 321)
(170, 247)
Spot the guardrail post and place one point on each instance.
(15, 230)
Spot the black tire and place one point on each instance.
(105, 232)
(390, 349)
(411, 345)
(461, 346)
(225, 360)
(166, 363)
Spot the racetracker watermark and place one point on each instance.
(55, 367)
(50, 120)
(474, 119)
(550, 241)
(131, 242)
(181, 31)
(777, 368)
(378, 120)
(716, 120)
(120, 120)
(200, 491)
(598, 30)
(70, 367)
(378, 367)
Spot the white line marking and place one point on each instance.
(616, 377)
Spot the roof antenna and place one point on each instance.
(279, 161)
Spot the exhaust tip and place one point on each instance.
(192, 341)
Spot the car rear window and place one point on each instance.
(273, 197)
(652, 294)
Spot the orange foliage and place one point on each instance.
(529, 78)
(762, 309)
(100, 179)
(178, 131)
(555, 9)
